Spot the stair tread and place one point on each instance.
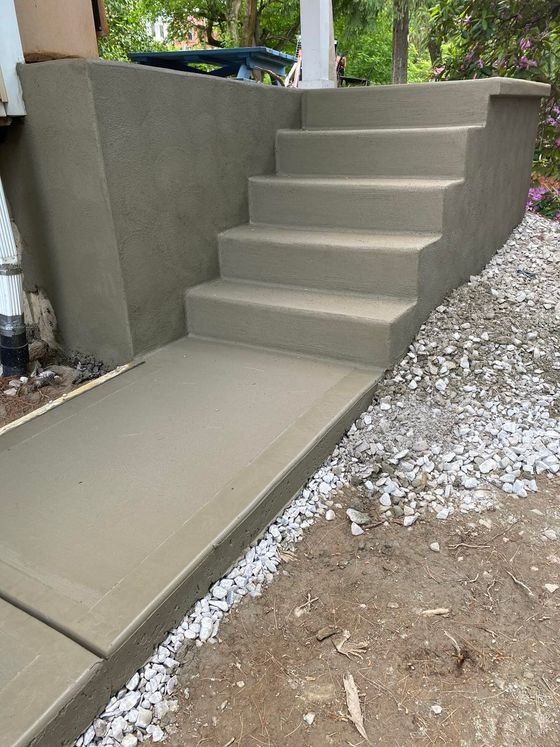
(336, 237)
(350, 305)
(364, 132)
(404, 182)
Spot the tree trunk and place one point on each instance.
(400, 40)
(234, 26)
(435, 51)
(250, 24)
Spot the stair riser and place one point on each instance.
(361, 341)
(439, 105)
(384, 272)
(371, 153)
(347, 206)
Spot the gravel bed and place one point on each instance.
(472, 410)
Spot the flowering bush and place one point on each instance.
(544, 198)
(513, 38)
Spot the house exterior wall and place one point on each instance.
(56, 28)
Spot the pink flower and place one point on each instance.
(525, 44)
(525, 63)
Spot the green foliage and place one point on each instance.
(513, 38)
(369, 51)
(419, 65)
(127, 21)
(363, 30)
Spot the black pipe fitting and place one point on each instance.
(14, 354)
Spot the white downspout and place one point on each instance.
(14, 353)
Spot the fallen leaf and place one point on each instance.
(353, 703)
(340, 642)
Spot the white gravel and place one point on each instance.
(471, 411)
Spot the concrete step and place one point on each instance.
(414, 151)
(413, 105)
(384, 263)
(370, 330)
(347, 202)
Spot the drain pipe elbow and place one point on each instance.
(14, 351)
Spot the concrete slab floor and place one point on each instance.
(120, 507)
(38, 669)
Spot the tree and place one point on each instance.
(401, 21)
(128, 32)
(512, 38)
(363, 29)
(273, 23)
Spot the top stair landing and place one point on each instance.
(413, 105)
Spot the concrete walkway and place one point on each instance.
(120, 507)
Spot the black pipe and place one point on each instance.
(14, 351)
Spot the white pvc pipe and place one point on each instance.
(11, 295)
(11, 291)
(8, 249)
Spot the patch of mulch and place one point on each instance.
(54, 375)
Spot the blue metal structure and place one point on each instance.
(239, 62)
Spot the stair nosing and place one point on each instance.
(359, 131)
(286, 234)
(402, 304)
(406, 183)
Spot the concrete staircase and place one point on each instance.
(342, 257)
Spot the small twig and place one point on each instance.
(520, 583)
(294, 730)
(306, 606)
(550, 689)
(504, 531)
(531, 617)
(471, 547)
(374, 526)
(381, 687)
(231, 741)
(487, 592)
(483, 547)
(454, 642)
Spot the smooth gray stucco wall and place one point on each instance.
(53, 173)
(178, 150)
(481, 213)
(120, 179)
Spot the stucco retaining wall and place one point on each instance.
(122, 176)
(120, 179)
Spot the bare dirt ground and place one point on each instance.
(487, 672)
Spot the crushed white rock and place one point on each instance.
(471, 410)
